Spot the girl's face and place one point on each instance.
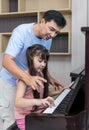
(39, 64)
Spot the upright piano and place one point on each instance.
(72, 105)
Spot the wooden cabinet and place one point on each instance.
(16, 12)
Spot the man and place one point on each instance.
(14, 61)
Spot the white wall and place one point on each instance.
(79, 19)
(61, 66)
(88, 12)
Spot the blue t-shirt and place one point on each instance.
(22, 37)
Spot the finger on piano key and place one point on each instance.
(57, 101)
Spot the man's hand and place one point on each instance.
(34, 81)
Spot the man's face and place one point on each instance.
(49, 29)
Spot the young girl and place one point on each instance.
(28, 100)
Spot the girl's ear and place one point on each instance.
(42, 20)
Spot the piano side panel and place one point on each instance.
(86, 31)
(87, 77)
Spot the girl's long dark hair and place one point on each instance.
(42, 52)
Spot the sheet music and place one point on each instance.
(58, 100)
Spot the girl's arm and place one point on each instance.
(22, 102)
(55, 92)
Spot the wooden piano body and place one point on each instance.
(56, 122)
(77, 121)
(68, 115)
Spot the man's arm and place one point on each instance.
(10, 65)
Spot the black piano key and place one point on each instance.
(61, 109)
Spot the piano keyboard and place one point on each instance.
(58, 100)
(63, 106)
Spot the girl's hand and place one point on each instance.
(46, 102)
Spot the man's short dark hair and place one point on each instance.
(56, 16)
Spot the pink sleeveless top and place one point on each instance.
(22, 112)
